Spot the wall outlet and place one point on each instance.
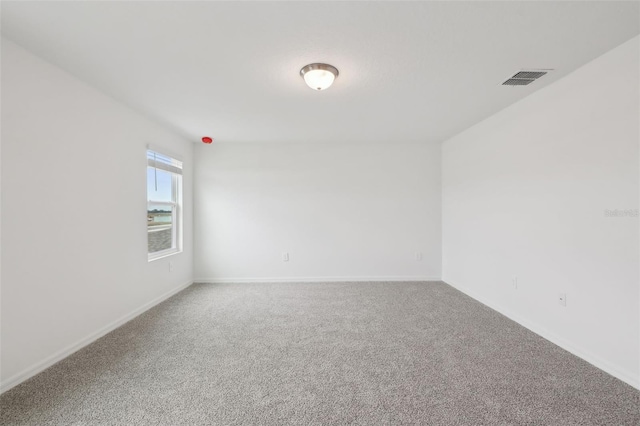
(419, 256)
(514, 282)
(285, 257)
(170, 266)
(562, 299)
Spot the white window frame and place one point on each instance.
(176, 217)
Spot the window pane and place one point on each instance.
(164, 185)
(162, 180)
(159, 227)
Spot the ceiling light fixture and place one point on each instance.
(319, 76)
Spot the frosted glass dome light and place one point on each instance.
(319, 76)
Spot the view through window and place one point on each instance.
(164, 184)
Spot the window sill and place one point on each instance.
(162, 254)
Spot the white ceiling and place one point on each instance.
(412, 72)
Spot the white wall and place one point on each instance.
(341, 211)
(74, 253)
(525, 194)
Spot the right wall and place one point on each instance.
(541, 200)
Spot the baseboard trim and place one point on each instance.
(312, 279)
(576, 350)
(60, 355)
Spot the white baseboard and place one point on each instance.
(312, 279)
(576, 350)
(60, 355)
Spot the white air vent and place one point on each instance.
(523, 78)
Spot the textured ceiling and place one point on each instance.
(409, 72)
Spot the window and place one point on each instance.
(164, 216)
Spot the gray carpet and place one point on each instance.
(324, 353)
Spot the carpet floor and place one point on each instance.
(321, 353)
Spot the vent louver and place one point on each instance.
(523, 78)
(518, 82)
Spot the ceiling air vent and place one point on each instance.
(522, 78)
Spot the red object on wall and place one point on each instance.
(207, 139)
